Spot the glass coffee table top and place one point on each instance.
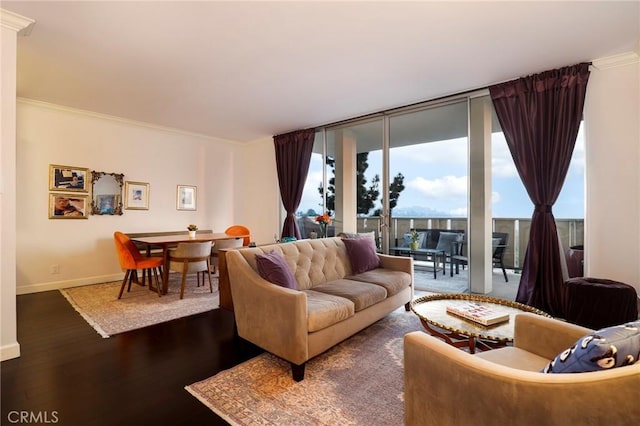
(460, 332)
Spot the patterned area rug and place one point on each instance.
(359, 382)
(99, 305)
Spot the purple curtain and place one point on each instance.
(540, 116)
(293, 155)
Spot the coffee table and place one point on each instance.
(461, 333)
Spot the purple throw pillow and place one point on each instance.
(362, 254)
(273, 267)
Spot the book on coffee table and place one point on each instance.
(481, 314)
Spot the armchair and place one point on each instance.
(446, 386)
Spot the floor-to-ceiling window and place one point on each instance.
(441, 165)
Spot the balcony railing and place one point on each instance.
(571, 231)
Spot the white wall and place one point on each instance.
(612, 132)
(258, 198)
(83, 249)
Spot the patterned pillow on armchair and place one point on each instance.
(609, 347)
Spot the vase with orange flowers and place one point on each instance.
(323, 220)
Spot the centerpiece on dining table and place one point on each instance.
(323, 220)
(192, 230)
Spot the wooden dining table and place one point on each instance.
(168, 241)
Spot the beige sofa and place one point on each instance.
(447, 386)
(329, 306)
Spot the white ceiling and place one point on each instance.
(246, 70)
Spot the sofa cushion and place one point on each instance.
(514, 357)
(273, 267)
(362, 254)
(361, 294)
(393, 281)
(324, 310)
(609, 347)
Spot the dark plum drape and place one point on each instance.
(540, 116)
(293, 155)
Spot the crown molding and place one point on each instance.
(18, 23)
(615, 61)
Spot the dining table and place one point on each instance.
(168, 241)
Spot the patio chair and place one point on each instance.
(499, 242)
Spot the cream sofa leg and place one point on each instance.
(297, 371)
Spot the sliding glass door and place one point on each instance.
(428, 163)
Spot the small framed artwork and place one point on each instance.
(186, 197)
(68, 178)
(68, 206)
(136, 195)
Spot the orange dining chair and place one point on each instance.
(240, 230)
(131, 260)
(191, 257)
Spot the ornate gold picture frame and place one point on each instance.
(68, 178)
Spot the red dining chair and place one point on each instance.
(131, 260)
(239, 230)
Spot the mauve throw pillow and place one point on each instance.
(362, 254)
(273, 267)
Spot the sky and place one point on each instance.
(435, 177)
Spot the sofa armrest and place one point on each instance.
(270, 316)
(545, 337)
(397, 263)
(444, 385)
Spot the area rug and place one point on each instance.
(100, 307)
(359, 382)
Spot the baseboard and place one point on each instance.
(57, 285)
(10, 351)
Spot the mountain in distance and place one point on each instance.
(419, 211)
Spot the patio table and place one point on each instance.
(433, 254)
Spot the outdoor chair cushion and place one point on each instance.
(446, 240)
(422, 238)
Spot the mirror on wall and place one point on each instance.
(107, 193)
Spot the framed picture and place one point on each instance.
(68, 178)
(136, 195)
(186, 197)
(68, 206)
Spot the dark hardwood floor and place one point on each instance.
(134, 378)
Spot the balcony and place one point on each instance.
(571, 233)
